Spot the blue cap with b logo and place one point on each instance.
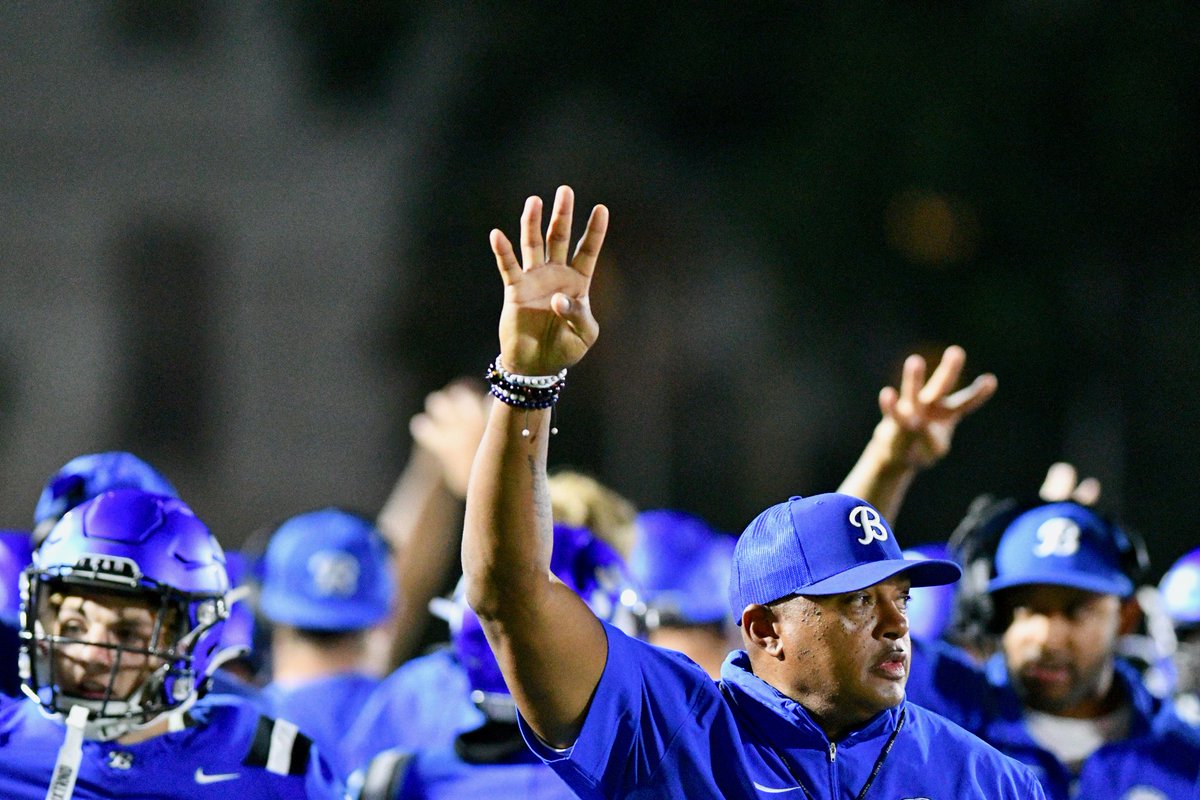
(1064, 544)
(820, 545)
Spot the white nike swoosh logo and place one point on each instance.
(769, 790)
(202, 778)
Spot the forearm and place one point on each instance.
(881, 476)
(508, 529)
(422, 520)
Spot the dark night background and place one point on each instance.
(801, 195)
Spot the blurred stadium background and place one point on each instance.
(244, 240)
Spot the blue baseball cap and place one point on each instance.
(821, 545)
(327, 570)
(84, 477)
(682, 567)
(1063, 544)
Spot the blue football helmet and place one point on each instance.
(15, 553)
(1180, 588)
(589, 567)
(682, 567)
(86, 476)
(123, 549)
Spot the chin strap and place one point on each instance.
(66, 767)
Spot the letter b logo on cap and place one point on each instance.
(868, 519)
(1057, 537)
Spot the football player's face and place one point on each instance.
(113, 634)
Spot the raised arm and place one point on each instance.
(422, 518)
(550, 647)
(916, 430)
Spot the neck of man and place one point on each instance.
(297, 660)
(836, 722)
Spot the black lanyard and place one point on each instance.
(883, 754)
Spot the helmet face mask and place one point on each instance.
(122, 612)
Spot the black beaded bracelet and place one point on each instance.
(528, 392)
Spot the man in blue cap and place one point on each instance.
(1056, 696)
(814, 705)
(327, 583)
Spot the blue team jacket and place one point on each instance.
(228, 751)
(1159, 760)
(324, 709)
(658, 727)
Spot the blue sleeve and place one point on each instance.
(649, 701)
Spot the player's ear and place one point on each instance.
(761, 626)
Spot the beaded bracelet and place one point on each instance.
(526, 381)
(529, 392)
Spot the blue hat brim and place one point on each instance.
(922, 572)
(1119, 585)
(301, 613)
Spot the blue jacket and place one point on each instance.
(1160, 758)
(324, 709)
(658, 726)
(229, 750)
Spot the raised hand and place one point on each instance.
(450, 428)
(919, 419)
(547, 324)
(1062, 483)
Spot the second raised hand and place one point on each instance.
(546, 324)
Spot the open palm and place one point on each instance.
(547, 323)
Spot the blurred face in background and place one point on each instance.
(1059, 646)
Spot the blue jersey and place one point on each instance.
(423, 705)
(1159, 758)
(658, 726)
(227, 750)
(491, 761)
(324, 709)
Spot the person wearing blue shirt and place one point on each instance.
(1056, 696)
(490, 756)
(327, 583)
(121, 622)
(814, 706)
